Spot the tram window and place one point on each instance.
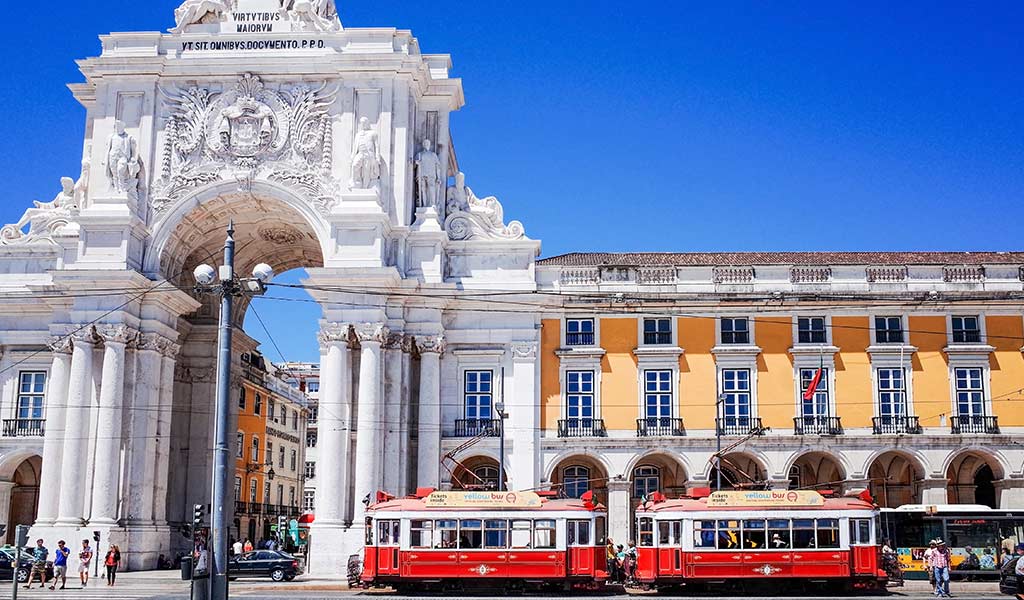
(521, 534)
(754, 534)
(387, 533)
(828, 533)
(860, 531)
(544, 534)
(599, 531)
(496, 533)
(803, 533)
(646, 530)
(421, 534)
(446, 534)
(578, 533)
(368, 529)
(471, 535)
(728, 535)
(704, 534)
(669, 533)
(778, 533)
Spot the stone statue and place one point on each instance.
(123, 162)
(470, 216)
(44, 214)
(365, 158)
(196, 11)
(429, 175)
(82, 185)
(318, 15)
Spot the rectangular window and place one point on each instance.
(252, 491)
(314, 412)
(579, 398)
(543, 534)
(579, 332)
(295, 420)
(258, 405)
(522, 533)
(578, 532)
(970, 392)
(241, 399)
(311, 439)
(892, 393)
(255, 449)
(478, 394)
(889, 330)
(811, 330)
(736, 388)
(309, 500)
(657, 332)
(31, 392)
(280, 457)
(313, 386)
(735, 330)
(238, 489)
(669, 533)
(310, 470)
(496, 534)
(280, 494)
(266, 493)
(240, 451)
(291, 495)
(658, 394)
(421, 534)
(270, 453)
(272, 411)
(966, 330)
(817, 406)
(294, 462)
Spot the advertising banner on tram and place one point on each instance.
(483, 500)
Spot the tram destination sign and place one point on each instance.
(768, 498)
(483, 500)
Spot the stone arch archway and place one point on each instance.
(739, 470)
(476, 472)
(894, 479)
(817, 470)
(656, 471)
(19, 491)
(972, 475)
(576, 474)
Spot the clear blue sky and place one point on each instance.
(656, 125)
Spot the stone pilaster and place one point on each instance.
(53, 441)
(1010, 493)
(524, 417)
(168, 352)
(428, 472)
(405, 445)
(142, 426)
(618, 510)
(934, 491)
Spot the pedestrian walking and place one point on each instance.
(247, 546)
(60, 565)
(236, 548)
(940, 561)
(611, 562)
(111, 561)
(84, 560)
(928, 562)
(632, 556)
(39, 555)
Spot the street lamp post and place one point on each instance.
(719, 418)
(500, 407)
(223, 282)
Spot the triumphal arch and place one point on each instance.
(330, 149)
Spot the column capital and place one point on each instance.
(524, 351)
(372, 333)
(395, 341)
(154, 342)
(118, 334)
(618, 485)
(334, 333)
(434, 344)
(60, 345)
(85, 336)
(408, 343)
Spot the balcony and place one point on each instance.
(739, 426)
(579, 339)
(241, 508)
(816, 425)
(23, 427)
(581, 428)
(469, 428)
(659, 427)
(892, 424)
(974, 424)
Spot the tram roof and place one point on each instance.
(701, 505)
(547, 505)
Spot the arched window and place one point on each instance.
(646, 479)
(488, 475)
(795, 477)
(576, 481)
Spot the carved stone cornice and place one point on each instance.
(395, 341)
(434, 344)
(60, 345)
(524, 350)
(371, 332)
(117, 334)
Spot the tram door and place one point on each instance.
(579, 547)
(387, 546)
(863, 548)
(670, 542)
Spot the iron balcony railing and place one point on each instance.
(579, 339)
(477, 427)
(974, 424)
(739, 426)
(577, 428)
(896, 424)
(817, 425)
(241, 508)
(23, 427)
(659, 427)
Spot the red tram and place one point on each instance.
(484, 540)
(723, 538)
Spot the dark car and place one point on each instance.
(264, 563)
(24, 565)
(1009, 582)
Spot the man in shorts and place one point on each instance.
(39, 555)
(60, 565)
(84, 560)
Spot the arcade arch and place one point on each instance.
(894, 479)
(577, 474)
(739, 470)
(476, 472)
(657, 472)
(817, 471)
(972, 476)
(23, 486)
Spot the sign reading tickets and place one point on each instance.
(483, 500)
(770, 498)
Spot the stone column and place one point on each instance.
(107, 477)
(1010, 493)
(524, 419)
(53, 442)
(392, 421)
(934, 491)
(368, 441)
(405, 447)
(619, 512)
(142, 427)
(428, 472)
(332, 449)
(168, 354)
(80, 387)
(6, 487)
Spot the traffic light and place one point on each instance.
(198, 511)
(282, 527)
(96, 536)
(21, 536)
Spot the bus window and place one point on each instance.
(599, 531)
(421, 534)
(544, 534)
(828, 533)
(803, 534)
(471, 534)
(496, 533)
(754, 534)
(646, 530)
(387, 533)
(446, 534)
(521, 534)
(860, 532)
(704, 534)
(778, 534)
(579, 533)
(728, 535)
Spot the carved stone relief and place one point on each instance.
(470, 217)
(123, 162)
(192, 12)
(45, 220)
